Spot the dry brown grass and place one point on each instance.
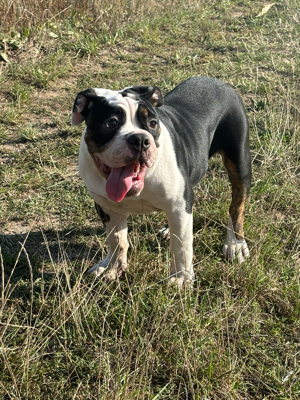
(32, 13)
(236, 336)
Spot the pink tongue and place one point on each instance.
(119, 182)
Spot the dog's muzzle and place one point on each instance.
(138, 142)
(128, 179)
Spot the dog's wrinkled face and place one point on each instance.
(122, 133)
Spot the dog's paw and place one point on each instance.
(103, 268)
(182, 279)
(236, 249)
(180, 282)
(98, 269)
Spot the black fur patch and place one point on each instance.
(205, 116)
(104, 217)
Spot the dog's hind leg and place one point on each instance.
(239, 176)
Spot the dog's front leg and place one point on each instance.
(181, 246)
(116, 261)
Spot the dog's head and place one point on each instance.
(122, 134)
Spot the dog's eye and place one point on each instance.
(112, 123)
(153, 124)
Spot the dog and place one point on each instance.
(141, 152)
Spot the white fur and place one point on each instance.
(233, 247)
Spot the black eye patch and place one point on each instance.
(103, 122)
(148, 120)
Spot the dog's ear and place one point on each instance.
(82, 105)
(149, 93)
(79, 105)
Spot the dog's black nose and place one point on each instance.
(139, 142)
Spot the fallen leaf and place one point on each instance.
(265, 9)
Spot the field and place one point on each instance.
(66, 335)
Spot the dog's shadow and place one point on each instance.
(35, 253)
(31, 251)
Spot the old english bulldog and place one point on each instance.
(141, 152)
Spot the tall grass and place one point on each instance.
(32, 13)
(63, 335)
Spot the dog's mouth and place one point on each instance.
(123, 181)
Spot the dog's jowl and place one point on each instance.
(141, 153)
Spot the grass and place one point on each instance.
(67, 336)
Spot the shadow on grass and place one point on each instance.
(59, 257)
(36, 254)
(55, 252)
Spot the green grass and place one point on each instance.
(64, 335)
